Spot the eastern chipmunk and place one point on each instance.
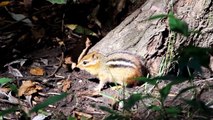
(118, 67)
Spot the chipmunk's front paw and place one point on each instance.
(117, 87)
(98, 89)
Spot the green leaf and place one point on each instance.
(58, 1)
(180, 79)
(194, 58)
(115, 117)
(106, 109)
(14, 88)
(199, 105)
(183, 91)
(173, 111)
(5, 80)
(158, 16)
(8, 111)
(151, 81)
(132, 100)
(81, 30)
(113, 114)
(178, 25)
(165, 91)
(71, 118)
(50, 100)
(155, 108)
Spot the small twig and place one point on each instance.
(59, 66)
(205, 80)
(59, 76)
(95, 112)
(7, 101)
(53, 93)
(94, 99)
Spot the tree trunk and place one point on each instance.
(150, 38)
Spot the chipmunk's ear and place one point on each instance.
(93, 52)
(95, 55)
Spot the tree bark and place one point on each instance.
(150, 38)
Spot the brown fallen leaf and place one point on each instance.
(5, 3)
(66, 85)
(37, 71)
(28, 88)
(5, 90)
(89, 93)
(81, 114)
(88, 43)
(15, 72)
(68, 60)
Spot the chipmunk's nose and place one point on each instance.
(76, 68)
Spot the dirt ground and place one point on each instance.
(24, 48)
(82, 101)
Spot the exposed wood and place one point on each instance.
(149, 38)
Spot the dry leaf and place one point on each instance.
(37, 71)
(12, 99)
(5, 3)
(88, 43)
(38, 33)
(68, 60)
(19, 61)
(81, 114)
(21, 17)
(66, 85)
(15, 72)
(28, 88)
(72, 26)
(35, 18)
(27, 3)
(6, 90)
(40, 117)
(44, 61)
(61, 43)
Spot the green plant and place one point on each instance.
(175, 24)
(5, 80)
(49, 101)
(58, 1)
(128, 104)
(36, 108)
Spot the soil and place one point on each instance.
(20, 42)
(82, 100)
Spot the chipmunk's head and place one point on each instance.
(91, 62)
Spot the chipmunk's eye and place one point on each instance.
(85, 62)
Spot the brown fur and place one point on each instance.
(119, 67)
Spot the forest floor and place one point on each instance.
(82, 100)
(38, 62)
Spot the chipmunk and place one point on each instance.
(118, 67)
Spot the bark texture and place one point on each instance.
(149, 38)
